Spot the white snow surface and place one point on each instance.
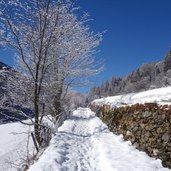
(161, 96)
(13, 145)
(84, 143)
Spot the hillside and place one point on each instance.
(148, 76)
(3, 67)
(9, 113)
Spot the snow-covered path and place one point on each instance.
(84, 143)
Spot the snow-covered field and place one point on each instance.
(160, 96)
(13, 145)
(84, 143)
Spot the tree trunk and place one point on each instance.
(36, 125)
(57, 106)
(36, 110)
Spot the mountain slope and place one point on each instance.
(4, 66)
(147, 76)
(83, 143)
(10, 113)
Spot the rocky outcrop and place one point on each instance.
(147, 126)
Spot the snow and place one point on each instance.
(161, 96)
(84, 143)
(13, 145)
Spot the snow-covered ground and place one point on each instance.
(160, 96)
(13, 145)
(84, 143)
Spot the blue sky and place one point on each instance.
(138, 31)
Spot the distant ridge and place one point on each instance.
(2, 65)
(147, 76)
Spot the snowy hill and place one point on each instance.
(160, 96)
(84, 143)
(9, 114)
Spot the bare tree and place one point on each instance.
(23, 28)
(54, 50)
(73, 59)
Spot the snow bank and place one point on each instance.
(160, 96)
(13, 145)
(84, 143)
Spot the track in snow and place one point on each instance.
(84, 143)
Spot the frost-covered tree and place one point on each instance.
(54, 50)
(72, 58)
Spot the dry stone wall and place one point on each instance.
(147, 126)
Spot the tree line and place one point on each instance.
(148, 76)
